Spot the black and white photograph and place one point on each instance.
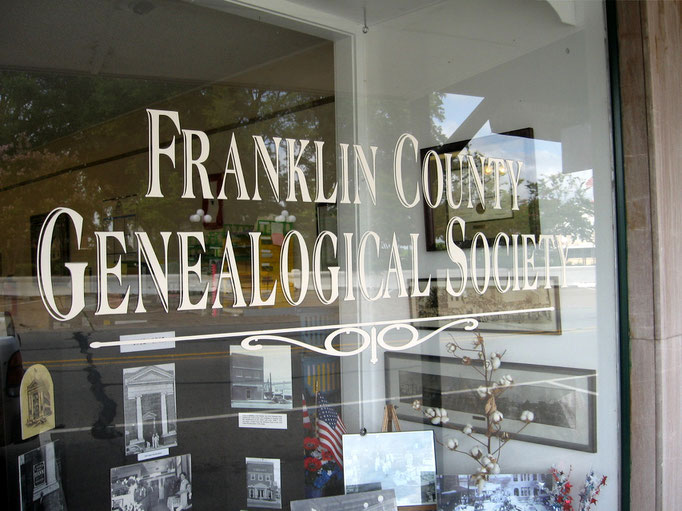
(261, 379)
(382, 500)
(40, 478)
(402, 461)
(562, 399)
(502, 492)
(149, 409)
(163, 484)
(263, 483)
(440, 303)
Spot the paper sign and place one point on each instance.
(128, 348)
(263, 420)
(152, 454)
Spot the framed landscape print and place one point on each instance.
(563, 399)
(440, 303)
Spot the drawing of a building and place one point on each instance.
(39, 403)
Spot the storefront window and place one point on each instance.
(252, 256)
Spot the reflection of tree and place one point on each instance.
(41, 107)
(81, 142)
(567, 208)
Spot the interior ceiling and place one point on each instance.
(378, 11)
(143, 38)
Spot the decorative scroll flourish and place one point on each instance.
(370, 339)
(375, 337)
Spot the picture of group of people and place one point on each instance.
(157, 485)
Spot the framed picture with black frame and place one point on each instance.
(563, 399)
(481, 215)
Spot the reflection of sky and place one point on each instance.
(457, 107)
(547, 155)
(548, 161)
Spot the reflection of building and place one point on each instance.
(39, 403)
(150, 407)
(261, 484)
(247, 375)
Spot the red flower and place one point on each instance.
(310, 443)
(312, 464)
(326, 456)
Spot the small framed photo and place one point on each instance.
(163, 483)
(381, 500)
(263, 483)
(518, 492)
(563, 399)
(402, 461)
(40, 478)
(150, 411)
(261, 379)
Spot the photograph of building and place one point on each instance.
(263, 483)
(261, 379)
(149, 407)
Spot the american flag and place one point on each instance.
(306, 417)
(330, 429)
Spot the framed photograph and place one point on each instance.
(149, 410)
(163, 483)
(563, 399)
(261, 379)
(518, 492)
(402, 461)
(382, 500)
(263, 483)
(40, 479)
(480, 215)
(440, 303)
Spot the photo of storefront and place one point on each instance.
(247, 233)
